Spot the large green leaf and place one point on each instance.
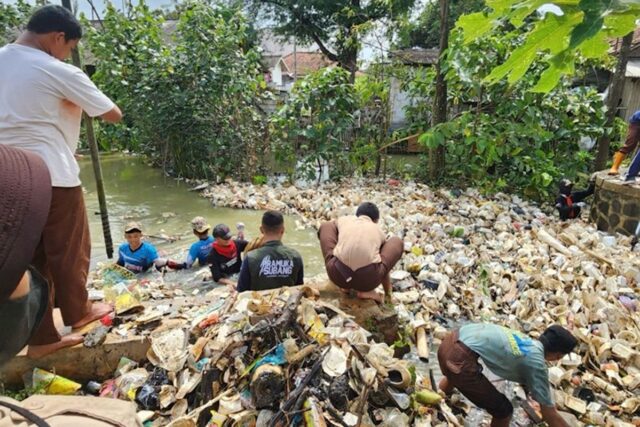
(548, 35)
(474, 26)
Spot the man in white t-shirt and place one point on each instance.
(41, 104)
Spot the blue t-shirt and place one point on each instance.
(199, 251)
(635, 118)
(510, 355)
(139, 260)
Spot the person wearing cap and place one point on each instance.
(135, 254)
(199, 251)
(569, 203)
(225, 257)
(271, 264)
(358, 257)
(41, 103)
(508, 354)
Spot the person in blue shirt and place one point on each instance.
(199, 251)
(136, 255)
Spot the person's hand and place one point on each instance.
(175, 265)
(388, 298)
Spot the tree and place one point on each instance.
(312, 125)
(191, 102)
(613, 98)
(583, 29)
(502, 137)
(336, 26)
(425, 30)
(436, 154)
(13, 19)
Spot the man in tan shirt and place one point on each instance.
(356, 253)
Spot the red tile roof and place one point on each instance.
(307, 62)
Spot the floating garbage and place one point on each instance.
(292, 357)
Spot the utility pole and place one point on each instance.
(95, 159)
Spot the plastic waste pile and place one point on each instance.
(288, 357)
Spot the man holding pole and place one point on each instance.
(41, 103)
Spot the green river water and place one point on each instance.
(138, 192)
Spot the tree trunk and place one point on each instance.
(616, 86)
(436, 155)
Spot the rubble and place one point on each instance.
(292, 357)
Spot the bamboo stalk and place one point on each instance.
(421, 344)
(95, 159)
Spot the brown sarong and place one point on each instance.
(366, 278)
(460, 365)
(633, 136)
(62, 257)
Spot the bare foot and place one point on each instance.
(38, 351)
(98, 311)
(373, 295)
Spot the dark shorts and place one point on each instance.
(460, 365)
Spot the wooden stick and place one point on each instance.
(286, 406)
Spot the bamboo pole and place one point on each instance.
(95, 159)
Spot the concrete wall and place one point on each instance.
(630, 97)
(616, 207)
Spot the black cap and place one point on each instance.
(557, 339)
(222, 231)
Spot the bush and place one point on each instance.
(191, 102)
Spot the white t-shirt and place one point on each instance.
(41, 103)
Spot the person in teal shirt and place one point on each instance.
(508, 354)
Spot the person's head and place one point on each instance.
(557, 342)
(222, 234)
(200, 227)
(272, 225)
(133, 234)
(370, 210)
(565, 187)
(240, 226)
(25, 186)
(56, 30)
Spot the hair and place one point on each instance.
(557, 339)
(272, 221)
(54, 18)
(370, 210)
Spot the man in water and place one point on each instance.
(273, 265)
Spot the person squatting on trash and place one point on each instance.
(41, 104)
(225, 257)
(508, 354)
(137, 255)
(272, 265)
(569, 203)
(356, 253)
(630, 143)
